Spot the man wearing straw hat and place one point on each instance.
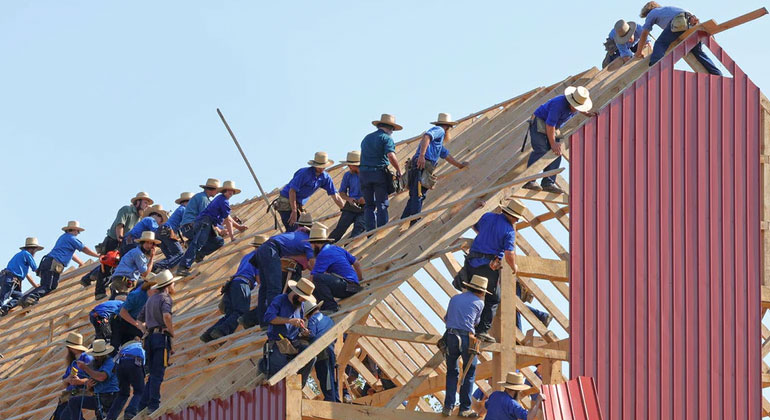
(17, 270)
(156, 216)
(462, 316)
(103, 381)
(53, 264)
(622, 42)
(74, 378)
(197, 204)
(544, 131)
(125, 220)
(377, 149)
(306, 181)
(423, 164)
(336, 273)
(160, 329)
(350, 191)
(236, 294)
(134, 265)
(169, 235)
(127, 325)
(505, 405)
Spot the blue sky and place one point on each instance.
(104, 99)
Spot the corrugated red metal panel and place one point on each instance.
(665, 245)
(261, 403)
(573, 400)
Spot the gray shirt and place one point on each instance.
(152, 313)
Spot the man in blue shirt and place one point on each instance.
(197, 204)
(306, 181)
(53, 264)
(130, 374)
(462, 316)
(236, 295)
(425, 159)
(674, 22)
(350, 191)
(504, 405)
(156, 216)
(101, 318)
(326, 363)
(74, 379)
(207, 234)
(622, 42)
(136, 264)
(169, 235)
(544, 131)
(103, 381)
(377, 149)
(126, 326)
(126, 218)
(336, 273)
(17, 270)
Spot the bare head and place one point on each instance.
(648, 7)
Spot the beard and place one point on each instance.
(296, 301)
(146, 251)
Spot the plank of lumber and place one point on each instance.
(740, 20)
(504, 323)
(410, 336)
(293, 396)
(419, 377)
(542, 268)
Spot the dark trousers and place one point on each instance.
(102, 327)
(416, 194)
(10, 291)
(187, 230)
(285, 219)
(109, 244)
(277, 360)
(127, 244)
(374, 188)
(203, 243)
(328, 287)
(61, 412)
(157, 347)
(542, 316)
(270, 276)
(348, 218)
(456, 349)
(325, 370)
(237, 302)
(99, 403)
(122, 332)
(171, 249)
(667, 37)
(49, 280)
(541, 146)
(130, 375)
(492, 301)
(102, 276)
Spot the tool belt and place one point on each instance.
(353, 208)
(285, 346)
(540, 126)
(121, 284)
(288, 265)
(350, 286)
(158, 330)
(50, 263)
(680, 22)
(77, 392)
(167, 232)
(7, 274)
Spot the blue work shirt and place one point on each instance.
(246, 270)
(281, 307)
(217, 210)
(65, 247)
(196, 205)
(478, 394)
(351, 185)
(625, 49)
(335, 260)
(109, 308)
(495, 236)
(375, 148)
(662, 16)
(85, 358)
(111, 383)
(500, 406)
(464, 311)
(555, 112)
(135, 302)
(20, 264)
(294, 243)
(132, 265)
(306, 181)
(147, 223)
(435, 148)
(318, 324)
(133, 349)
(176, 218)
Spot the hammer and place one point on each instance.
(474, 351)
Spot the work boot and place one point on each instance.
(486, 338)
(85, 281)
(3, 311)
(532, 185)
(547, 320)
(215, 333)
(183, 272)
(446, 412)
(199, 258)
(470, 414)
(100, 296)
(28, 301)
(206, 337)
(552, 188)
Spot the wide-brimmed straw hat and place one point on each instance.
(477, 283)
(579, 98)
(305, 219)
(353, 158)
(389, 120)
(304, 288)
(142, 196)
(319, 233)
(163, 279)
(624, 31)
(148, 236)
(320, 160)
(444, 119)
(515, 209)
(73, 225)
(75, 341)
(259, 240)
(211, 183)
(185, 196)
(229, 185)
(157, 209)
(31, 242)
(515, 382)
(100, 348)
(309, 311)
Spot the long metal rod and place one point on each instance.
(245, 159)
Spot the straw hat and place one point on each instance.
(318, 233)
(163, 279)
(259, 240)
(477, 283)
(142, 196)
(320, 160)
(389, 120)
(158, 209)
(515, 209)
(310, 310)
(624, 31)
(100, 348)
(211, 183)
(305, 219)
(73, 225)
(148, 236)
(353, 159)
(579, 98)
(444, 119)
(304, 288)
(515, 382)
(31, 242)
(229, 185)
(75, 342)
(185, 196)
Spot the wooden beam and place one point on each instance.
(293, 395)
(410, 336)
(740, 20)
(542, 268)
(542, 196)
(418, 378)
(505, 324)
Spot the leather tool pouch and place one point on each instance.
(680, 23)
(541, 128)
(351, 287)
(285, 347)
(428, 179)
(282, 204)
(56, 266)
(353, 208)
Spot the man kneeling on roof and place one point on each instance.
(102, 318)
(103, 381)
(134, 265)
(285, 318)
(170, 235)
(505, 405)
(126, 325)
(16, 271)
(156, 216)
(336, 273)
(623, 42)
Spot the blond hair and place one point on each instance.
(648, 7)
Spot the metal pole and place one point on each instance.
(254, 175)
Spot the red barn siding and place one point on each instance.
(665, 242)
(261, 403)
(572, 400)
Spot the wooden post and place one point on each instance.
(294, 397)
(504, 327)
